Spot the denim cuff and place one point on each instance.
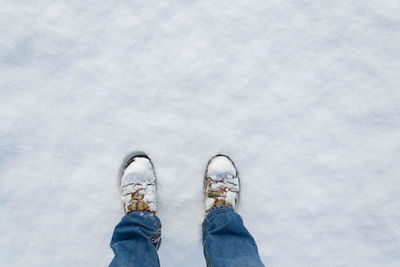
(146, 217)
(218, 209)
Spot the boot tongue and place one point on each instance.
(138, 206)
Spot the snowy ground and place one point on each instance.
(303, 95)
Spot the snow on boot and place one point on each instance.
(138, 184)
(221, 183)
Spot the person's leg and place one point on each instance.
(136, 239)
(226, 241)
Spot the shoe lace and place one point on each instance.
(219, 190)
(137, 201)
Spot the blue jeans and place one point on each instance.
(226, 241)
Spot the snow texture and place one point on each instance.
(303, 95)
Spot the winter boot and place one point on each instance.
(138, 184)
(221, 183)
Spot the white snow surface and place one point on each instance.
(303, 95)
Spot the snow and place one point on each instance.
(231, 198)
(209, 202)
(139, 171)
(220, 167)
(303, 95)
